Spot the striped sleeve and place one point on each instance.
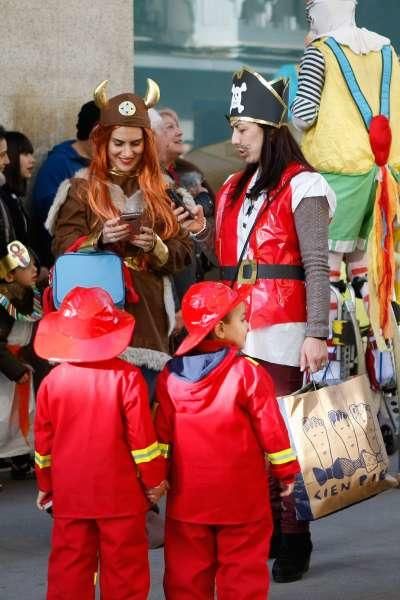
(311, 81)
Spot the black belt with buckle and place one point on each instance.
(249, 271)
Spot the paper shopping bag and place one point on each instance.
(339, 446)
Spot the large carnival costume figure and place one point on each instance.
(272, 233)
(348, 106)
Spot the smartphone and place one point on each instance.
(134, 220)
(178, 201)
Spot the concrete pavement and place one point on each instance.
(356, 556)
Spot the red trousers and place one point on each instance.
(231, 557)
(117, 547)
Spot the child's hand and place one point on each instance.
(39, 500)
(286, 488)
(155, 493)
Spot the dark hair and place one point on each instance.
(17, 144)
(2, 132)
(87, 118)
(279, 149)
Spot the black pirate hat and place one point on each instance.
(258, 100)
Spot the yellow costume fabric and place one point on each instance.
(339, 141)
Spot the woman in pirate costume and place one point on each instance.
(20, 308)
(92, 208)
(272, 233)
(347, 104)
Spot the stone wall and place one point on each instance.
(53, 54)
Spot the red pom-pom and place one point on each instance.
(380, 137)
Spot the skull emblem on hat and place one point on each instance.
(237, 91)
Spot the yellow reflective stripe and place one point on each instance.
(252, 361)
(165, 450)
(42, 461)
(282, 457)
(146, 454)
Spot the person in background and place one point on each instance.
(6, 230)
(170, 146)
(20, 309)
(62, 162)
(175, 164)
(17, 174)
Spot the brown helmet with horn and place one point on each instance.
(126, 110)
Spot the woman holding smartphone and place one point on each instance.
(120, 203)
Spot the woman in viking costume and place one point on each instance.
(348, 106)
(272, 233)
(93, 209)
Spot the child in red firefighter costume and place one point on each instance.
(96, 451)
(216, 418)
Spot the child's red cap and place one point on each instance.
(203, 306)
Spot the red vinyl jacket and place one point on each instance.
(94, 440)
(216, 419)
(273, 241)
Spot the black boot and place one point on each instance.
(22, 467)
(276, 540)
(293, 558)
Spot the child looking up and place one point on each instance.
(217, 418)
(96, 450)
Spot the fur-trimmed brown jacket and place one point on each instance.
(71, 217)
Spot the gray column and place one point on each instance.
(53, 54)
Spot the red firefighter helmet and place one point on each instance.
(86, 328)
(203, 306)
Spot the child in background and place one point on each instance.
(20, 308)
(217, 417)
(96, 451)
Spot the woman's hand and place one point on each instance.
(313, 355)
(194, 221)
(155, 493)
(146, 239)
(115, 231)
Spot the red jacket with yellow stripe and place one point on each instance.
(95, 444)
(216, 419)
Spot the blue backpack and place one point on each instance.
(88, 269)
